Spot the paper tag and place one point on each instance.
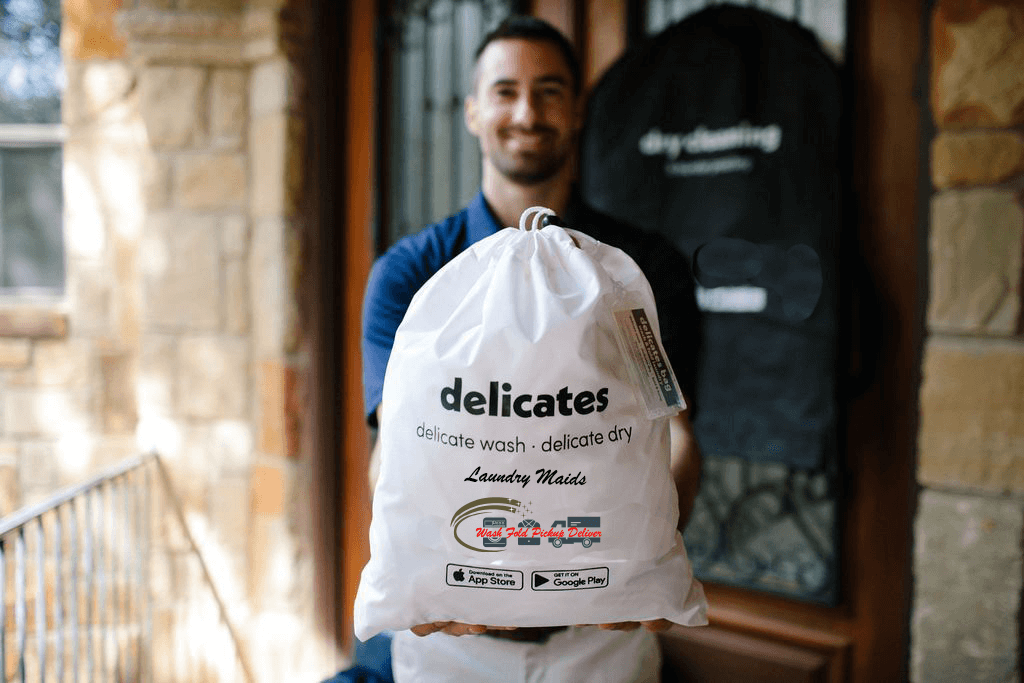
(653, 380)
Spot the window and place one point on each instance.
(430, 164)
(31, 135)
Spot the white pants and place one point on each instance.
(587, 655)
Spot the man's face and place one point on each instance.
(523, 110)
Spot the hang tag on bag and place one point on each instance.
(522, 482)
(653, 378)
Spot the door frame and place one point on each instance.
(866, 637)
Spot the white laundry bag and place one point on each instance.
(524, 476)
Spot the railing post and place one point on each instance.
(58, 589)
(20, 617)
(147, 568)
(103, 574)
(90, 589)
(3, 610)
(74, 590)
(41, 598)
(115, 566)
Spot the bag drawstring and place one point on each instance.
(542, 217)
(538, 213)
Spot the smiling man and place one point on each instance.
(526, 112)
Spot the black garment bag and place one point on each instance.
(722, 133)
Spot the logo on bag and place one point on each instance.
(726, 143)
(492, 533)
(499, 401)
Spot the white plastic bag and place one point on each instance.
(522, 481)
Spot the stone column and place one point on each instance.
(968, 557)
(221, 365)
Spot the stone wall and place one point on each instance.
(968, 532)
(179, 332)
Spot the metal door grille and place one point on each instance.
(430, 164)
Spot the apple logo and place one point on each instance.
(459, 575)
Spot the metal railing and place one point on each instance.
(87, 601)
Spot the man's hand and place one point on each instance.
(455, 628)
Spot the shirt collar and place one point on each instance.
(481, 222)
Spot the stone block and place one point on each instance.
(232, 441)
(15, 353)
(977, 52)
(268, 141)
(89, 290)
(46, 412)
(214, 377)
(117, 385)
(270, 86)
(10, 490)
(228, 107)
(229, 518)
(267, 491)
(158, 181)
(976, 158)
(272, 408)
(63, 363)
(8, 453)
(236, 296)
(85, 221)
(268, 286)
(172, 104)
(155, 387)
(234, 234)
(967, 587)
(976, 242)
(210, 181)
(271, 563)
(97, 92)
(971, 400)
(38, 470)
(88, 30)
(105, 450)
(180, 263)
(33, 323)
(192, 471)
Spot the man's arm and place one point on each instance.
(374, 471)
(686, 464)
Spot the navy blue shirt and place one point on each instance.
(405, 267)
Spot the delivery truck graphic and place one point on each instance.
(578, 523)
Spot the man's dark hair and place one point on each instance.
(532, 28)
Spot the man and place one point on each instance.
(526, 112)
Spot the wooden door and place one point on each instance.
(752, 636)
(760, 637)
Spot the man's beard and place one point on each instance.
(531, 168)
